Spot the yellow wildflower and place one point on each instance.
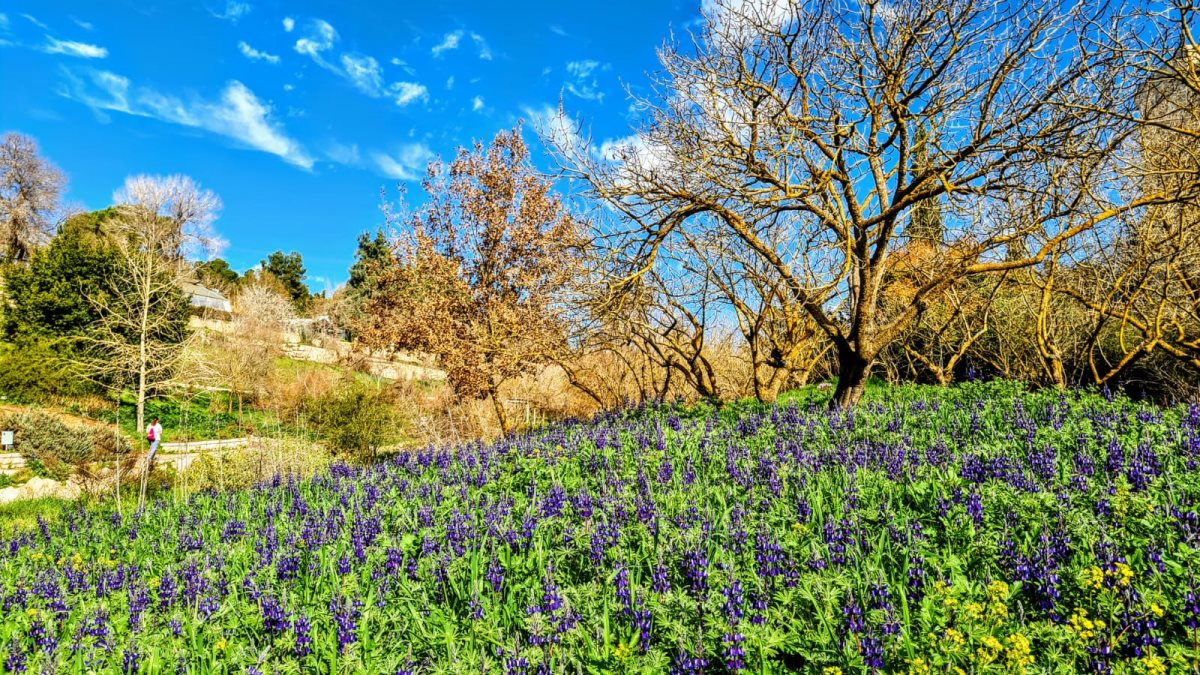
(1094, 577)
(1154, 666)
(621, 652)
(221, 645)
(1156, 610)
(1019, 654)
(31, 612)
(950, 603)
(989, 651)
(154, 582)
(998, 610)
(831, 670)
(1123, 574)
(940, 586)
(1082, 625)
(956, 638)
(974, 610)
(919, 667)
(997, 590)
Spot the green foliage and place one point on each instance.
(57, 293)
(244, 467)
(35, 371)
(374, 255)
(288, 269)
(355, 418)
(55, 449)
(217, 273)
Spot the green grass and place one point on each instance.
(23, 514)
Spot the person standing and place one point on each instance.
(154, 435)
(154, 432)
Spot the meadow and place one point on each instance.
(976, 529)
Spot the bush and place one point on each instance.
(56, 450)
(34, 372)
(355, 418)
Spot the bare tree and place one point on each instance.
(30, 190)
(142, 330)
(246, 353)
(841, 121)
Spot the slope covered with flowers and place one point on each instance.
(980, 528)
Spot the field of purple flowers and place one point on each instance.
(981, 529)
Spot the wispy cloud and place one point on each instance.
(407, 164)
(81, 49)
(255, 55)
(238, 114)
(404, 93)
(360, 70)
(320, 39)
(3, 21)
(288, 24)
(448, 43)
(364, 73)
(86, 25)
(343, 153)
(34, 20)
(558, 30)
(234, 10)
(477, 103)
(583, 81)
(453, 40)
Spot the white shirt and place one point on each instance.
(157, 429)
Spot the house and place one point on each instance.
(207, 302)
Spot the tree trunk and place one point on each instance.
(853, 370)
(501, 416)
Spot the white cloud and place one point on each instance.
(396, 61)
(449, 42)
(558, 30)
(555, 126)
(234, 10)
(583, 81)
(343, 153)
(453, 39)
(69, 48)
(255, 55)
(289, 87)
(485, 52)
(238, 114)
(408, 164)
(3, 21)
(34, 20)
(288, 24)
(363, 72)
(477, 103)
(407, 92)
(83, 24)
(745, 17)
(320, 39)
(450, 82)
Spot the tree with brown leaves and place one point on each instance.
(477, 270)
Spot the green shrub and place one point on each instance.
(33, 372)
(355, 418)
(54, 449)
(243, 467)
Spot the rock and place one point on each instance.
(824, 386)
(38, 487)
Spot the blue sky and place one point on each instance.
(297, 114)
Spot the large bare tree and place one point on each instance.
(838, 123)
(30, 190)
(141, 335)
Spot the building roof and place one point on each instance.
(208, 298)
